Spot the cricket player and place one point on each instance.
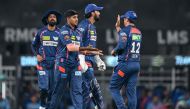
(69, 64)
(128, 52)
(89, 37)
(44, 47)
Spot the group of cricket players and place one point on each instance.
(68, 55)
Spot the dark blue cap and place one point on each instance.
(131, 15)
(57, 14)
(92, 7)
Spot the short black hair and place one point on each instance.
(70, 13)
(132, 21)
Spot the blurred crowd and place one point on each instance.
(30, 98)
(162, 98)
(158, 98)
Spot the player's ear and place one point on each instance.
(92, 13)
(68, 18)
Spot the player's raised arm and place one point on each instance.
(122, 38)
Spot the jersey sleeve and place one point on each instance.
(36, 44)
(121, 45)
(65, 38)
(83, 31)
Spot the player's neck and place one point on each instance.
(130, 24)
(51, 28)
(91, 20)
(72, 26)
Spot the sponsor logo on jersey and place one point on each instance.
(42, 73)
(123, 34)
(66, 37)
(64, 32)
(124, 38)
(78, 73)
(76, 43)
(45, 37)
(50, 43)
(136, 37)
(93, 38)
(92, 32)
(78, 37)
(63, 75)
(81, 29)
(55, 38)
(73, 38)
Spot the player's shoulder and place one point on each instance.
(83, 24)
(41, 29)
(135, 30)
(84, 21)
(123, 32)
(64, 30)
(58, 30)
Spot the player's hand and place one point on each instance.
(117, 24)
(113, 53)
(39, 58)
(86, 52)
(101, 66)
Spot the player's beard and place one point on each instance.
(52, 23)
(96, 18)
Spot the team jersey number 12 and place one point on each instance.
(135, 47)
(136, 43)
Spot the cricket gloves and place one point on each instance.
(100, 64)
(84, 66)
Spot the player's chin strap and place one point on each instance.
(100, 64)
(96, 94)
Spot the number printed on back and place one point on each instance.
(136, 43)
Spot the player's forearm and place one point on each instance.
(72, 47)
(119, 48)
(34, 49)
(86, 52)
(118, 29)
(121, 44)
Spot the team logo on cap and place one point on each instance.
(134, 14)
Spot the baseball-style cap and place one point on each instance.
(131, 15)
(92, 7)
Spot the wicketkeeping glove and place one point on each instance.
(84, 66)
(100, 64)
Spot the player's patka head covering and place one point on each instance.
(92, 7)
(45, 16)
(131, 15)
